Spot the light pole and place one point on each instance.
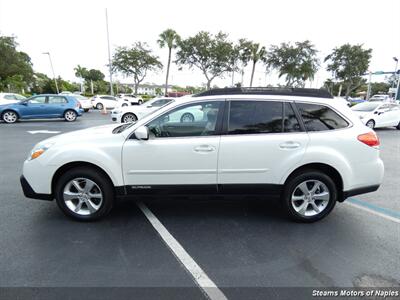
(52, 69)
(395, 70)
(109, 56)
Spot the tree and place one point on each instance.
(211, 54)
(251, 52)
(170, 39)
(297, 62)
(15, 66)
(81, 72)
(136, 61)
(348, 63)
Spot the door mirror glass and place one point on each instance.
(142, 133)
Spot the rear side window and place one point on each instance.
(251, 117)
(290, 121)
(57, 100)
(319, 117)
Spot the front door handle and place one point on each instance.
(289, 145)
(204, 148)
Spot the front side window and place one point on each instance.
(318, 117)
(9, 97)
(252, 117)
(196, 119)
(161, 102)
(57, 100)
(38, 100)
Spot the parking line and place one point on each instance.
(375, 210)
(200, 277)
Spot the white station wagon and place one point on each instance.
(296, 144)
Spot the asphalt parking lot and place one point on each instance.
(240, 245)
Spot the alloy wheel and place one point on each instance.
(310, 198)
(82, 196)
(10, 117)
(70, 116)
(129, 118)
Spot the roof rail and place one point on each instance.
(278, 91)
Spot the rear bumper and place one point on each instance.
(30, 193)
(359, 191)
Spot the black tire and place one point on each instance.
(187, 117)
(398, 126)
(86, 110)
(372, 122)
(291, 187)
(128, 118)
(70, 115)
(9, 116)
(99, 106)
(140, 102)
(106, 189)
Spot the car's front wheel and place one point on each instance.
(9, 116)
(187, 118)
(70, 116)
(309, 196)
(99, 106)
(84, 194)
(129, 118)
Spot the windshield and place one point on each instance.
(365, 106)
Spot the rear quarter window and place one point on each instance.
(318, 117)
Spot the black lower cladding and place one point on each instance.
(30, 193)
(359, 191)
(200, 189)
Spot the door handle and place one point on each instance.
(289, 145)
(204, 148)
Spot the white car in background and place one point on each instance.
(127, 114)
(378, 114)
(380, 98)
(101, 101)
(85, 102)
(9, 98)
(130, 99)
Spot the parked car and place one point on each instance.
(377, 114)
(354, 101)
(127, 114)
(380, 98)
(42, 107)
(85, 102)
(130, 99)
(101, 101)
(8, 98)
(294, 144)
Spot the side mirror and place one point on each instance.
(24, 103)
(142, 133)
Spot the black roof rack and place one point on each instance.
(278, 91)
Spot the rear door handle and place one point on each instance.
(204, 148)
(289, 145)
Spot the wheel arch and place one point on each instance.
(129, 113)
(324, 168)
(76, 164)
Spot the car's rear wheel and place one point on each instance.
(99, 106)
(309, 196)
(70, 116)
(187, 117)
(370, 124)
(9, 116)
(129, 118)
(140, 102)
(84, 194)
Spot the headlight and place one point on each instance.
(37, 151)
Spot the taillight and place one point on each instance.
(370, 139)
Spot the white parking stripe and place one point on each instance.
(199, 276)
(390, 218)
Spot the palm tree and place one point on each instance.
(252, 52)
(80, 72)
(170, 39)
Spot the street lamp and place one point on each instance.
(52, 69)
(395, 70)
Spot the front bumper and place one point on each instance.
(30, 193)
